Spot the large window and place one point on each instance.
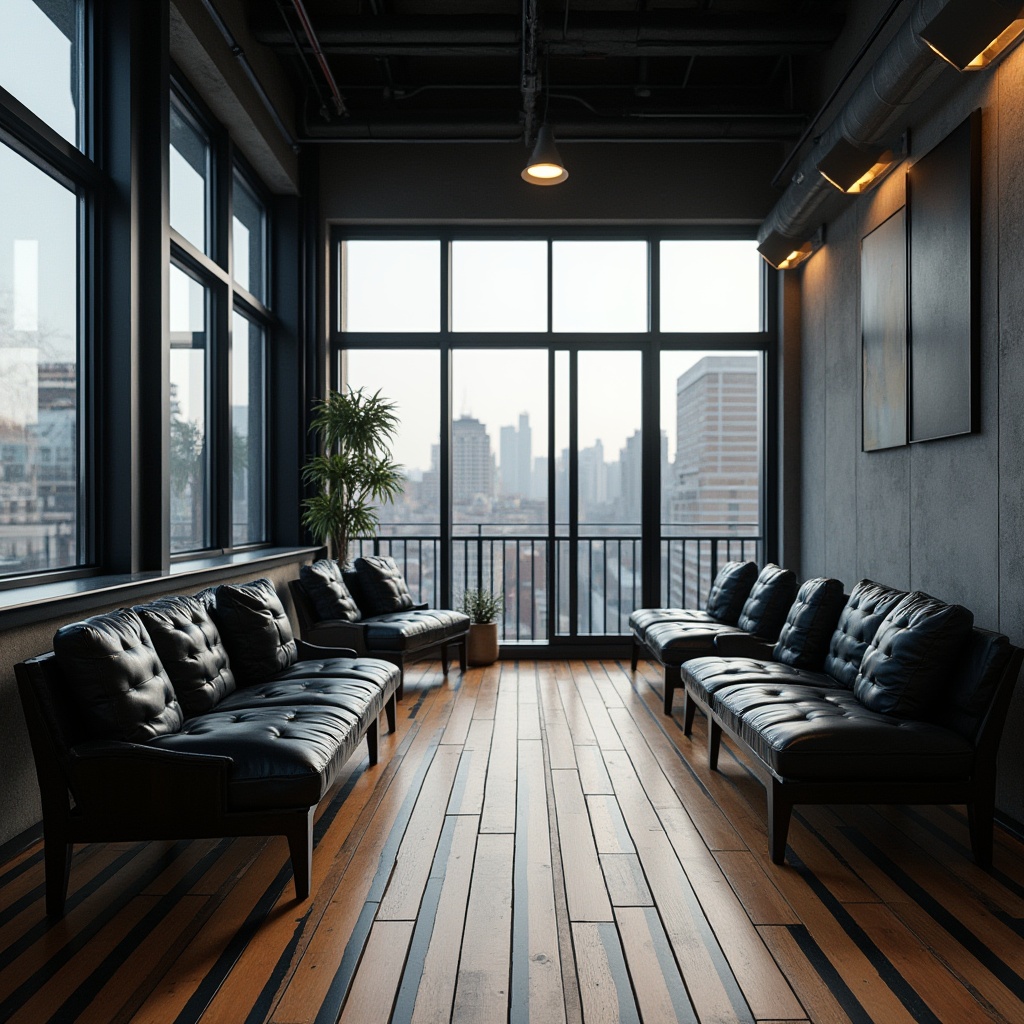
(45, 478)
(219, 332)
(548, 482)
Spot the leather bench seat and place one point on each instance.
(706, 676)
(673, 643)
(411, 630)
(358, 693)
(281, 757)
(642, 619)
(808, 732)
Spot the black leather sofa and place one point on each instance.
(741, 601)
(903, 702)
(193, 717)
(369, 609)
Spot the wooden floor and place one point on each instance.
(538, 843)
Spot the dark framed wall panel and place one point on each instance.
(883, 297)
(943, 197)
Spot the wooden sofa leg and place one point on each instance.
(300, 845)
(57, 866)
(444, 659)
(635, 658)
(390, 709)
(671, 671)
(400, 692)
(689, 710)
(714, 742)
(371, 741)
(463, 663)
(779, 811)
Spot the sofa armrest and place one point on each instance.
(338, 633)
(110, 779)
(309, 652)
(743, 645)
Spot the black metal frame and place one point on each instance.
(650, 344)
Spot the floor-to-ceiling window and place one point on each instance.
(582, 416)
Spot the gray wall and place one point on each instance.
(943, 516)
(19, 794)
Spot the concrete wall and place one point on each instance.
(19, 794)
(943, 516)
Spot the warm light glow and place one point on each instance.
(544, 170)
(796, 257)
(989, 54)
(869, 178)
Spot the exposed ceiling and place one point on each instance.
(601, 70)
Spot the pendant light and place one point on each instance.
(545, 165)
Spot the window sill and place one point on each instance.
(25, 605)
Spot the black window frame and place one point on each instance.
(651, 343)
(74, 166)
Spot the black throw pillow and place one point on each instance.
(382, 584)
(255, 629)
(729, 590)
(324, 585)
(803, 641)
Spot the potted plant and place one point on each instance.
(354, 472)
(483, 608)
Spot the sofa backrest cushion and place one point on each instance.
(972, 683)
(908, 662)
(764, 610)
(382, 585)
(255, 629)
(324, 584)
(191, 650)
(731, 587)
(867, 605)
(115, 678)
(803, 640)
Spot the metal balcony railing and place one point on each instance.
(513, 561)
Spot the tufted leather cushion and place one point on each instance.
(707, 676)
(866, 606)
(324, 584)
(915, 647)
(382, 584)
(406, 631)
(764, 611)
(119, 685)
(642, 619)
(191, 651)
(817, 734)
(280, 756)
(729, 591)
(804, 639)
(255, 629)
(673, 643)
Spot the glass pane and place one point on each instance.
(610, 462)
(391, 286)
(40, 520)
(499, 483)
(711, 469)
(499, 286)
(189, 177)
(248, 241)
(410, 528)
(248, 432)
(40, 60)
(189, 459)
(599, 286)
(710, 286)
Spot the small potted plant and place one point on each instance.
(483, 608)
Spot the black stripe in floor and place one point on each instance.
(931, 906)
(832, 979)
(628, 1013)
(887, 971)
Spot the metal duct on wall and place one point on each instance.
(875, 114)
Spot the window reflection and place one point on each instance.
(248, 432)
(189, 174)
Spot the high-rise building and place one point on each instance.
(472, 462)
(516, 451)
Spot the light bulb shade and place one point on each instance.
(545, 166)
(970, 34)
(853, 169)
(784, 253)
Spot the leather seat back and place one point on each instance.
(804, 638)
(867, 605)
(730, 589)
(764, 611)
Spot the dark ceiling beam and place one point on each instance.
(635, 128)
(654, 34)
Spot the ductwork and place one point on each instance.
(875, 115)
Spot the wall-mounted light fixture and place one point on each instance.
(855, 169)
(784, 253)
(545, 166)
(970, 34)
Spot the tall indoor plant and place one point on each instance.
(353, 472)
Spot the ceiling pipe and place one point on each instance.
(877, 112)
(314, 42)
